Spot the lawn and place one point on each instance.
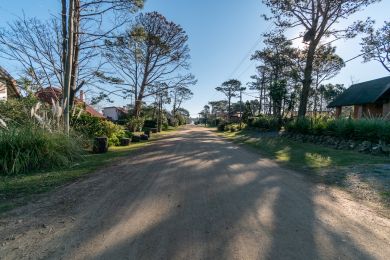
(17, 190)
(347, 169)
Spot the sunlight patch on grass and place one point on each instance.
(283, 155)
(315, 160)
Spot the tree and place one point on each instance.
(230, 89)
(65, 48)
(330, 91)
(276, 65)
(319, 19)
(206, 113)
(326, 65)
(376, 46)
(153, 50)
(180, 94)
(248, 112)
(259, 84)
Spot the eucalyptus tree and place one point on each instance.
(152, 50)
(230, 89)
(317, 19)
(376, 46)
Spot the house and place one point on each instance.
(46, 95)
(369, 99)
(114, 113)
(8, 86)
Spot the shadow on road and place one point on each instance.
(195, 196)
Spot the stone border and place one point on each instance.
(380, 148)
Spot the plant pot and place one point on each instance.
(100, 145)
(135, 139)
(144, 137)
(125, 141)
(148, 132)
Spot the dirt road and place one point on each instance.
(195, 196)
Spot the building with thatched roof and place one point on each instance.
(369, 99)
(8, 86)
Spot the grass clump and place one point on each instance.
(26, 149)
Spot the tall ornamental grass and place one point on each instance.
(26, 149)
(370, 129)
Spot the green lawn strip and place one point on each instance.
(16, 190)
(303, 155)
(322, 164)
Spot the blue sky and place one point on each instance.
(221, 34)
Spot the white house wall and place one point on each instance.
(3, 91)
(111, 113)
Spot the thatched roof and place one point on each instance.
(367, 92)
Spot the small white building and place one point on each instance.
(8, 87)
(114, 113)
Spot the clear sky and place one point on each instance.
(221, 35)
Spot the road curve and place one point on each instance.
(194, 195)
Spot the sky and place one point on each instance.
(222, 36)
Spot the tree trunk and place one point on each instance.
(64, 40)
(229, 108)
(76, 50)
(306, 84)
(68, 72)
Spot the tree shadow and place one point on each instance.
(210, 200)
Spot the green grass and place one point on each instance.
(303, 155)
(322, 164)
(17, 190)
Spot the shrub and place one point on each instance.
(135, 124)
(27, 149)
(150, 124)
(360, 130)
(92, 127)
(221, 126)
(266, 123)
(16, 112)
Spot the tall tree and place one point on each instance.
(180, 94)
(153, 50)
(319, 19)
(376, 46)
(230, 89)
(276, 65)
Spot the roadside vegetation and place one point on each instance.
(18, 189)
(46, 124)
(362, 174)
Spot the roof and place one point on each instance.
(120, 109)
(363, 93)
(90, 110)
(11, 82)
(49, 93)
